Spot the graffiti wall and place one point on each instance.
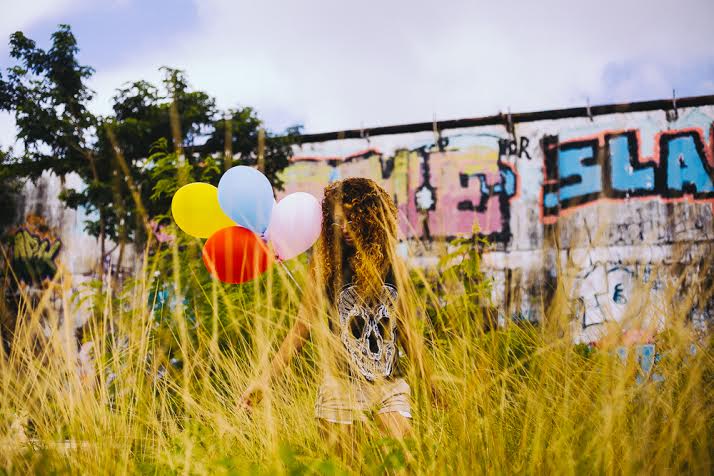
(34, 251)
(616, 208)
(49, 249)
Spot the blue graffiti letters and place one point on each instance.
(683, 166)
(582, 171)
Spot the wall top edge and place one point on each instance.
(509, 119)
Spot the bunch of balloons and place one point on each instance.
(246, 229)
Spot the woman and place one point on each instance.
(358, 307)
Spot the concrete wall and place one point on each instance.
(607, 207)
(51, 237)
(604, 208)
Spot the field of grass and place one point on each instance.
(174, 351)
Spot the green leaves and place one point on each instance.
(463, 263)
(132, 162)
(47, 92)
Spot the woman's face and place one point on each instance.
(342, 225)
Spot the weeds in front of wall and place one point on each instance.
(173, 351)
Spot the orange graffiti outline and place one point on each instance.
(708, 156)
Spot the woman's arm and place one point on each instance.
(293, 342)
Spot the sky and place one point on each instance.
(332, 65)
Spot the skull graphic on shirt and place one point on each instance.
(368, 330)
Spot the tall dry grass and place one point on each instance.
(162, 391)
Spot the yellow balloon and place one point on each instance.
(196, 210)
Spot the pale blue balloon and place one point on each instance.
(245, 195)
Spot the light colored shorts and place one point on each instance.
(349, 400)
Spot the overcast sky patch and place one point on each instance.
(334, 65)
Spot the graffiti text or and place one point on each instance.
(34, 257)
(581, 171)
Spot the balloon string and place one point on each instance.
(282, 263)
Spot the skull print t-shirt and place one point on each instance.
(368, 328)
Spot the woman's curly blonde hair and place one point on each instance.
(372, 218)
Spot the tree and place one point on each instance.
(48, 94)
(9, 193)
(243, 125)
(151, 124)
(133, 160)
(175, 135)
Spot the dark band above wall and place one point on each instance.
(515, 118)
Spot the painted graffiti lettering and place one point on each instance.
(387, 166)
(505, 187)
(653, 182)
(28, 246)
(463, 186)
(425, 196)
(683, 167)
(610, 166)
(502, 190)
(579, 173)
(512, 147)
(601, 293)
(628, 175)
(34, 257)
(618, 296)
(440, 189)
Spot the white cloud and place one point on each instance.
(334, 65)
(7, 130)
(340, 65)
(22, 15)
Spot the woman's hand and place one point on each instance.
(292, 343)
(253, 394)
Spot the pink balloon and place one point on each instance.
(294, 225)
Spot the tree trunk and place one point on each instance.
(122, 245)
(228, 146)
(101, 245)
(261, 150)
